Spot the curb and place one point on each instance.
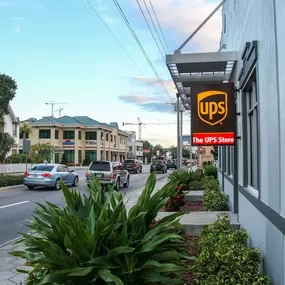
(15, 187)
(10, 241)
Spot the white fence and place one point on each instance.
(14, 167)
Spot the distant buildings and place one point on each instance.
(134, 147)
(11, 126)
(80, 138)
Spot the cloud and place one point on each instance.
(108, 20)
(18, 29)
(182, 17)
(134, 99)
(147, 103)
(152, 82)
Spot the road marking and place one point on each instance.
(15, 204)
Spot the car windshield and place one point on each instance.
(129, 161)
(43, 167)
(100, 166)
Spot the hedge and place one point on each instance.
(11, 180)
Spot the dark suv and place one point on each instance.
(158, 166)
(133, 165)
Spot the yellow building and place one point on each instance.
(79, 137)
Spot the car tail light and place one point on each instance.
(112, 176)
(46, 175)
(26, 174)
(86, 174)
(134, 165)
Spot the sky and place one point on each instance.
(60, 50)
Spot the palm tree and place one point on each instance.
(6, 143)
(26, 130)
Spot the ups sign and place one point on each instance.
(212, 109)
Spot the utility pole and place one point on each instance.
(52, 103)
(59, 111)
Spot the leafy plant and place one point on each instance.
(93, 240)
(196, 185)
(181, 178)
(211, 170)
(176, 199)
(214, 199)
(224, 257)
(11, 180)
(6, 143)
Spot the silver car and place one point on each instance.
(108, 173)
(49, 175)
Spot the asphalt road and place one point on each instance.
(16, 206)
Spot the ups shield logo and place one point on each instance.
(212, 107)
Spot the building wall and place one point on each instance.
(262, 216)
(12, 128)
(114, 150)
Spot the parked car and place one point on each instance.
(108, 173)
(50, 175)
(185, 161)
(133, 165)
(172, 163)
(158, 166)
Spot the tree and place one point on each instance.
(159, 148)
(8, 87)
(25, 130)
(185, 152)
(40, 152)
(147, 145)
(6, 143)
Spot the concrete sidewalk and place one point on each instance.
(10, 264)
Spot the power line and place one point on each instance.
(124, 49)
(163, 59)
(149, 14)
(141, 47)
(159, 25)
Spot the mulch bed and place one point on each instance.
(193, 249)
(192, 206)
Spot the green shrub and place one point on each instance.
(196, 185)
(224, 257)
(93, 240)
(210, 170)
(11, 180)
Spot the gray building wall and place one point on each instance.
(262, 215)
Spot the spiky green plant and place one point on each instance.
(93, 240)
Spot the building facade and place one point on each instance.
(11, 126)
(80, 139)
(255, 180)
(134, 147)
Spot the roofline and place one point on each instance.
(12, 114)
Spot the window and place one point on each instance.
(79, 156)
(107, 137)
(56, 134)
(91, 136)
(69, 156)
(91, 155)
(115, 139)
(43, 167)
(111, 138)
(130, 148)
(100, 166)
(252, 136)
(60, 169)
(225, 23)
(102, 136)
(79, 135)
(68, 135)
(44, 134)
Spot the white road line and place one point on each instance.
(15, 204)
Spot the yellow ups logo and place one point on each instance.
(212, 106)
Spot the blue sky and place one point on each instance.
(59, 50)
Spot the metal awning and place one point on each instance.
(196, 68)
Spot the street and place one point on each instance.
(16, 206)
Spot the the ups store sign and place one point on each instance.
(213, 118)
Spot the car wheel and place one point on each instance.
(126, 185)
(136, 171)
(117, 187)
(75, 182)
(88, 185)
(30, 187)
(141, 170)
(57, 185)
